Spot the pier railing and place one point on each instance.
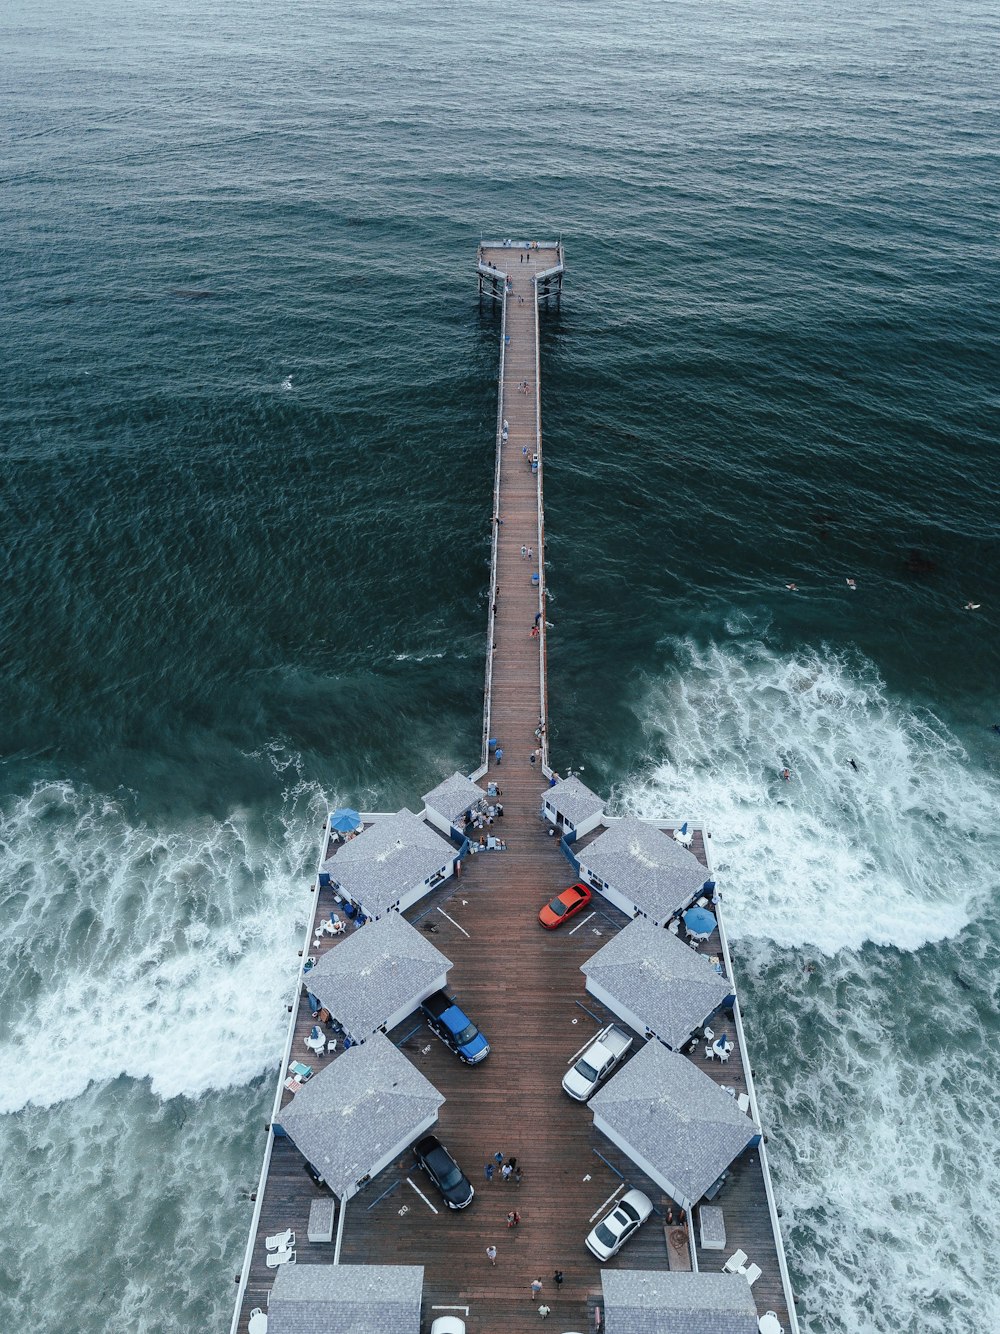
(543, 710)
(495, 538)
(276, 1104)
(772, 1204)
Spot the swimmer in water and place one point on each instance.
(854, 765)
(786, 774)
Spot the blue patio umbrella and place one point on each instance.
(699, 921)
(345, 820)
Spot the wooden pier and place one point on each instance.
(520, 983)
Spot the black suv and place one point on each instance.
(455, 1187)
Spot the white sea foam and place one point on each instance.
(167, 954)
(872, 1026)
(891, 852)
(878, 1091)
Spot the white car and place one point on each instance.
(596, 1063)
(615, 1228)
(448, 1324)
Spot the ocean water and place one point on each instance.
(245, 452)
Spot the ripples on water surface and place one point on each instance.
(248, 400)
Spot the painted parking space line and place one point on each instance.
(610, 1200)
(583, 922)
(454, 923)
(422, 1195)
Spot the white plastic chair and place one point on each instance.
(735, 1263)
(722, 1053)
(281, 1241)
(709, 1051)
(280, 1258)
(752, 1273)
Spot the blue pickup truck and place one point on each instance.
(454, 1027)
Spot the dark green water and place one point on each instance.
(247, 414)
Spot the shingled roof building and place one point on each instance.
(655, 1301)
(378, 975)
(392, 864)
(346, 1299)
(673, 1121)
(642, 870)
(359, 1113)
(649, 979)
(447, 803)
(571, 806)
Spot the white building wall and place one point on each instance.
(627, 906)
(411, 1137)
(411, 1005)
(584, 827)
(437, 820)
(615, 1006)
(673, 1191)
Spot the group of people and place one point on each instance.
(509, 1171)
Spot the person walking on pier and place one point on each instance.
(524, 553)
(557, 1279)
(491, 1255)
(489, 1169)
(543, 1311)
(536, 1287)
(499, 754)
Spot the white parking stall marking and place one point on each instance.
(422, 1195)
(454, 923)
(597, 1213)
(583, 922)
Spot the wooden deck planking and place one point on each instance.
(523, 986)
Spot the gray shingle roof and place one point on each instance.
(646, 865)
(393, 855)
(675, 1117)
(346, 1299)
(655, 1301)
(358, 1109)
(664, 983)
(574, 800)
(454, 796)
(369, 976)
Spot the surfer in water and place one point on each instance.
(855, 766)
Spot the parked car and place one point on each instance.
(596, 1063)
(614, 1230)
(454, 1027)
(455, 1187)
(448, 1324)
(565, 905)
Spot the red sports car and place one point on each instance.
(564, 906)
